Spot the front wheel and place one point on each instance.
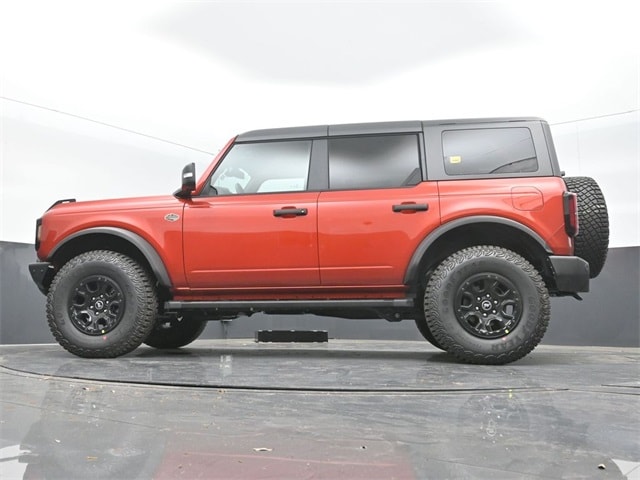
(101, 304)
(487, 305)
(425, 331)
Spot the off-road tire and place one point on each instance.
(518, 302)
(423, 328)
(592, 241)
(175, 332)
(71, 304)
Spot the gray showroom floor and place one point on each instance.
(234, 409)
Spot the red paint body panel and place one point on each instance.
(350, 244)
(527, 199)
(143, 216)
(466, 198)
(236, 241)
(364, 242)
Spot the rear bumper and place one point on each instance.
(41, 273)
(571, 274)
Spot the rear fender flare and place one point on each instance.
(413, 269)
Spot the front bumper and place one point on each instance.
(42, 274)
(571, 274)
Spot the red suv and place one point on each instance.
(466, 226)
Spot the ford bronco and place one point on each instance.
(466, 227)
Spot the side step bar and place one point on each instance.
(287, 305)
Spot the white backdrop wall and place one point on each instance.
(607, 149)
(48, 156)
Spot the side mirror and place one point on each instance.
(188, 181)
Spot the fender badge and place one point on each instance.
(171, 217)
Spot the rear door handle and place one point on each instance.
(411, 207)
(290, 212)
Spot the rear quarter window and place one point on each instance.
(487, 151)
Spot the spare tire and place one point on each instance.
(592, 241)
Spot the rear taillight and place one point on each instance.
(570, 207)
(38, 232)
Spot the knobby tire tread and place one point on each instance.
(436, 322)
(145, 293)
(592, 241)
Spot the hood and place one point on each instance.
(116, 204)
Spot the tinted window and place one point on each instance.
(263, 167)
(374, 162)
(487, 151)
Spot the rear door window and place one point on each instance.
(366, 162)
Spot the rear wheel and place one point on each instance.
(486, 305)
(101, 304)
(175, 332)
(592, 241)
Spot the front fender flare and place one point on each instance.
(149, 253)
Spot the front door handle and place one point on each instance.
(410, 207)
(290, 212)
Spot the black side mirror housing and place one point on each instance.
(188, 181)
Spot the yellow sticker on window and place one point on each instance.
(455, 159)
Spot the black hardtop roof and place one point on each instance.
(366, 128)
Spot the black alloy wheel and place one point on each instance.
(488, 305)
(96, 305)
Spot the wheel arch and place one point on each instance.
(117, 240)
(478, 230)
